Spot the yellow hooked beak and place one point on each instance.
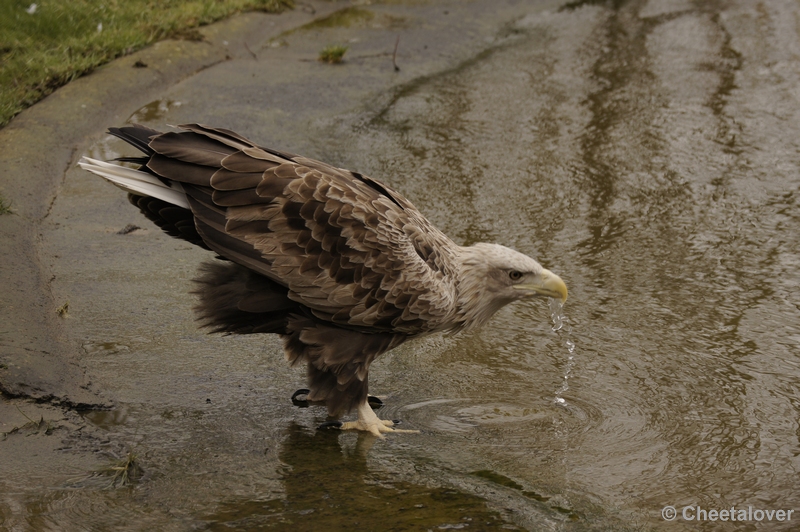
(545, 284)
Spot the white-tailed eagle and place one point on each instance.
(339, 265)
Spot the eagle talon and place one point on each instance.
(302, 403)
(374, 402)
(330, 425)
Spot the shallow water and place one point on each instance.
(647, 152)
(651, 159)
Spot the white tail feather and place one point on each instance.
(136, 181)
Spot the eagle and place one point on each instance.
(339, 265)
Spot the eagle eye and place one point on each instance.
(515, 275)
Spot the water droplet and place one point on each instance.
(559, 322)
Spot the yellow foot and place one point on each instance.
(368, 422)
(378, 429)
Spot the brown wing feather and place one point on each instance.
(191, 148)
(350, 249)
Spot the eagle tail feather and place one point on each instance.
(136, 181)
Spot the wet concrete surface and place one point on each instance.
(645, 151)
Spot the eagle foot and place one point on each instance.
(367, 422)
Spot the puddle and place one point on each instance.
(628, 148)
(153, 111)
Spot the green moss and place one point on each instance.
(5, 205)
(332, 54)
(44, 48)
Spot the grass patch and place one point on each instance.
(332, 54)
(49, 45)
(124, 471)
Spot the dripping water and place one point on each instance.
(562, 328)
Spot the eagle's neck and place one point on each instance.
(475, 302)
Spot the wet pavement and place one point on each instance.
(647, 152)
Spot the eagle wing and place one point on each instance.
(348, 247)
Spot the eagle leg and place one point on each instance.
(367, 421)
(298, 400)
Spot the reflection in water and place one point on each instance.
(153, 111)
(326, 484)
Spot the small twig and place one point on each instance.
(251, 51)
(394, 55)
(36, 424)
(24, 414)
